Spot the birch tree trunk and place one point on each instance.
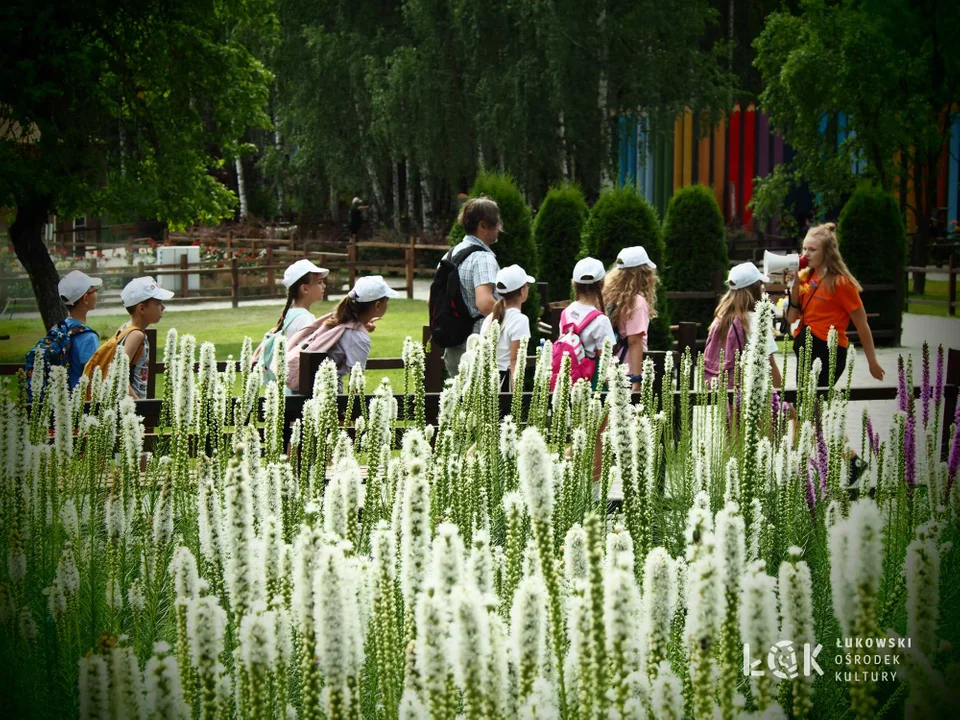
(396, 191)
(334, 205)
(241, 190)
(279, 148)
(564, 151)
(426, 199)
(411, 196)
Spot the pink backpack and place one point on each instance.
(569, 343)
(315, 337)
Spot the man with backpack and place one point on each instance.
(70, 342)
(462, 292)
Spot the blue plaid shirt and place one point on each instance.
(480, 268)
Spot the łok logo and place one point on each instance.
(782, 661)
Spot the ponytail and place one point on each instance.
(292, 293)
(500, 307)
(594, 288)
(348, 311)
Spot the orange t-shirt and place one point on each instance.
(822, 308)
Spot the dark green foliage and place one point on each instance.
(557, 231)
(622, 218)
(696, 248)
(515, 244)
(872, 242)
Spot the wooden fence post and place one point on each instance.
(433, 372)
(352, 260)
(151, 334)
(952, 380)
(411, 255)
(952, 285)
(184, 278)
(899, 278)
(271, 282)
(309, 364)
(234, 282)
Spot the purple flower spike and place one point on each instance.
(873, 446)
(903, 403)
(811, 492)
(953, 461)
(823, 463)
(938, 388)
(910, 454)
(926, 391)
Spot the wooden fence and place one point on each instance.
(951, 271)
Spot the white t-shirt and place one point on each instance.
(515, 325)
(299, 322)
(594, 334)
(772, 347)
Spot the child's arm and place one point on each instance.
(777, 377)
(514, 351)
(131, 346)
(635, 357)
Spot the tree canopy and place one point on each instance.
(128, 108)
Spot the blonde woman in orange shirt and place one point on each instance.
(826, 294)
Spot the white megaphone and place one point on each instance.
(775, 263)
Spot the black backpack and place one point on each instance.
(450, 320)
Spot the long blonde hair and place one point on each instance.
(735, 304)
(832, 259)
(623, 284)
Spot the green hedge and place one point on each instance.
(622, 218)
(873, 242)
(557, 231)
(515, 244)
(696, 248)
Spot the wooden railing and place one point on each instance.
(951, 271)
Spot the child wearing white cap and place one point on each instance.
(305, 284)
(359, 310)
(631, 295)
(143, 299)
(588, 289)
(512, 286)
(731, 325)
(78, 291)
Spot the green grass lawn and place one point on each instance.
(227, 328)
(934, 290)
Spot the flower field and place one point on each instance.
(473, 568)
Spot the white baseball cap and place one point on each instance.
(370, 288)
(299, 269)
(588, 270)
(142, 289)
(634, 257)
(744, 275)
(74, 285)
(512, 277)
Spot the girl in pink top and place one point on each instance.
(631, 296)
(731, 324)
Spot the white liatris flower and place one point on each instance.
(480, 563)
(136, 598)
(575, 554)
(659, 599)
(164, 696)
(528, 632)
(258, 641)
(126, 683)
(69, 519)
(206, 628)
(447, 558)
(796, 612)
(68, 576)
(541, 704)
(243, 582)
(209, 521)
(923, 590)
(414, 530)
(508, 438)
(619, 549)
(536, 475)
(470, 642)
(758, 622)
(666, 693)
(183, 570)
(856, 561)
(94, 686)
(334, 641)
